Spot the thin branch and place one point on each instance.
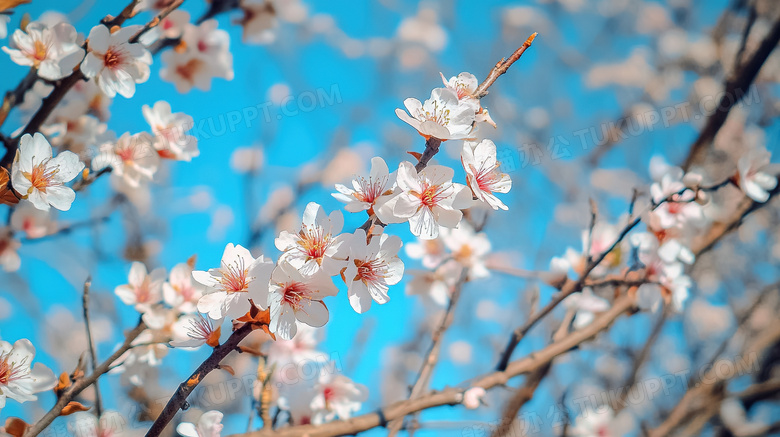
(735, 89)
(452, 395)
(502, 66)
(80, 384)
(179, 398)
(691, 400)
(432, 357)
(520, 398)
(91, 343)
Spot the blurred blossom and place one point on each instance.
(247, 159)
(460, 352)
(221, 219)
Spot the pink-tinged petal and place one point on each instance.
(60, 197)
(313, 215)
(423, 224)
(359, 298)
(98, 39)
(68, 166)
(379, 168)
(40, 149)
(283, 322)
(433, 129)
(137, 274)
(187, 429)
(126, 294)
(43, 378)
(406, 205)
(315, 314)
(438, 174)
(212, 304)
(407, 178)
(448, 218)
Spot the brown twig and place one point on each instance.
(520, 398)
(735, 89)
(91, 343)
(80, 384)
(502, 66)
(454, 396)
(179, 398)
(432, 356)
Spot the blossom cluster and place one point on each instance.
(682, 209)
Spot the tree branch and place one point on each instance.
(454, 396)
(80, 384)
(735, 88)
(91, 343)
(177, 401)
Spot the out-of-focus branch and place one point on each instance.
(454, 396)
(640, 359)
(690, 402)
(177, 401)
(64, 85)
(520, 398)
(735, 88)
(432, 357)
(91, 343)
(80, 384)
(570, 286)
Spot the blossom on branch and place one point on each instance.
(293, 297)
(209, 425)
(40, 178)
(170, 132)
(465, 86)
(483, 174)
(751, 178)
(239, 278)
(114, 62)
(426, 199)
(365, 194)
(317, 247)
(336, 396)
(19, 378)
(443, 116)
(372, 269)
(132, 158)
(53, 52)
(143, 289)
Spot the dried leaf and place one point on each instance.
(227, 369)
(15, 426)
(63, 383)
(416, 155)
(73, 407)
(10, 4)
(192, 260)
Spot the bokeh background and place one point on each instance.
(594, 63)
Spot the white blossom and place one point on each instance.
(239, 278)
(293, 297)
(443, 116)
(19, 378)
(754, 182)
(54, 52)
(365, 194)
(318, 245)
(114, 62)
(483, 174)
(40, 178)
(372, 269)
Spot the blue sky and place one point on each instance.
(368, 91)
